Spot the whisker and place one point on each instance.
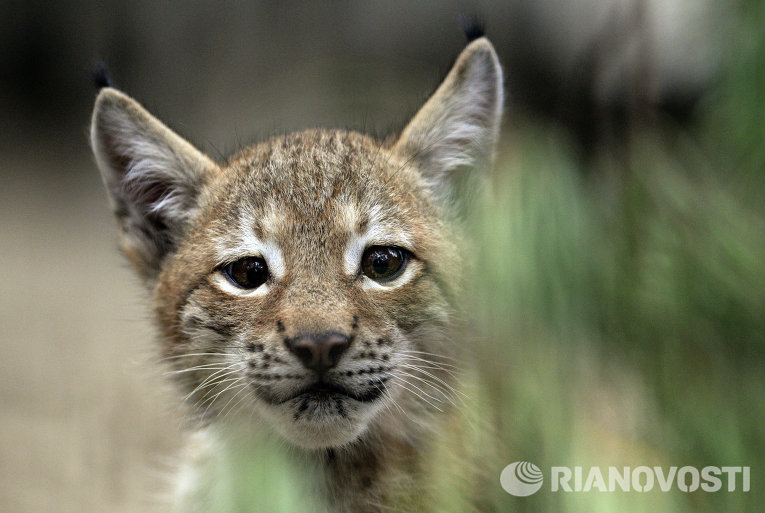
(208, 396)
(223, 412)
(416, 363)
(446, 397)
(444, 383)
(205, 366)
(390, 401)
(402, 383)
(216, 383)
(437, 357)
(236, 382)
(421, 364)
(245, 397)
(436, 386)
(226, 371)
(189, 355)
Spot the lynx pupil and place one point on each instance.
(247, 273)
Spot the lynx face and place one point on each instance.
(320, 274)
(309, 280)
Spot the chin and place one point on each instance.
(322, 421)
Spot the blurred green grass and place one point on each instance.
(622, 327)
(620, 311)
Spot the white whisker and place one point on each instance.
(402, 383)
(425, 382)
(429, 365)
(188, 355)
(204, 366)
(223, 412)
(411, 353)
(211, 400)
(441, 381)
(211, 379)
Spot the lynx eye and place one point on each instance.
(247, 273)
(384, 263)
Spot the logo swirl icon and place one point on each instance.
(521, 478)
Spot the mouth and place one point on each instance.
(321, 391)
(326, 413)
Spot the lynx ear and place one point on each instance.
(458, 126)
(152, 177)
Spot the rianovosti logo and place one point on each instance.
(522, 478)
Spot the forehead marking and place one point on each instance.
(349, 219)
(267, 225)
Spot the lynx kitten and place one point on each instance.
(308, 285)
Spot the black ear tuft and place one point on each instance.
(101, 76)
(472, 27)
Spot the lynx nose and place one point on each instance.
(318, 352)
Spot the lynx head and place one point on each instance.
(308, 280)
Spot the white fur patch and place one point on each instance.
(271, 221)
(348, 217)
(249, 245)
(224, 284)
(154, 166)
(378, 234)
(411, 270)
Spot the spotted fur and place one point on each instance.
(309, 204)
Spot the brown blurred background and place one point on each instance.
(85, 423)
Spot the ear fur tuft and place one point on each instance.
(472, 27)
(101, 76)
